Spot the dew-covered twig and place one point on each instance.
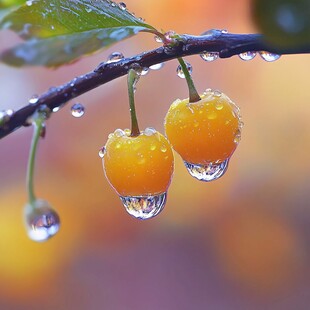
(214, 42)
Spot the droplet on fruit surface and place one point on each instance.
(157, 66)
(119, 133)
(208, 172)
(101, 152)
(269, 56)
(77, 110)
(247, 55)
(42, 222)
(115, 57)
(209, 56)
(149, 131)
(238, 135)
(144, 207)
(180, 72)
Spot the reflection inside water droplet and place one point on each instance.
(180, 72)
(77, 110)
(209, 56)
(144, 207)
(267, 56)
(209, 172)
(115, 57)
(247, 55)
(42, 224)
(122, 6)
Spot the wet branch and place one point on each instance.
(226, 44)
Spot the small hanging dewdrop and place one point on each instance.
(204, 129)
(42, 222)
(138, 165)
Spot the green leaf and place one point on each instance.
(9, 3)
(55, 51)
(285, 23)
(60, 31)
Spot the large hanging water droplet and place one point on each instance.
(209, 56)
(209, 172)
(180, 72)
(157, 66)
(115, 57)
(77, 110)
(247, 55)
(42, 222)
(267, 56)
(144, 207)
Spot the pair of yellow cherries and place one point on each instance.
(205, 133)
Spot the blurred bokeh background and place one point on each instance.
(241, 242)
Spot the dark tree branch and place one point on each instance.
(225, 44)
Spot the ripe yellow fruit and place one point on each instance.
(206, 132)
(137, 166)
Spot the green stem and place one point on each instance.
(38, 125)
(132, 80)
(193, 94)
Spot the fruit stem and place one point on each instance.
(193, 94)
(38, 124)
(132, 80)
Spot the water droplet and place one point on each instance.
(127, 132)
(149, 131)
(42, 222)
(34, 99)
(144, 207)
(101, 152)
(224, 31)
(122, 6)
(5, 116)
(163, 148)
(29, 3)
(209, 56)
(56, 109)
(217, 93)
(157, 66)
(115, 57)
(88, 9)
(119, 133)
(219, 105)
(209, 172)
(77, 110)
(180, 71)
(269, 56)
(169, 35)
(247, 55)
(144, 71)
(238, 135)
(153, 147)
(158, 39)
